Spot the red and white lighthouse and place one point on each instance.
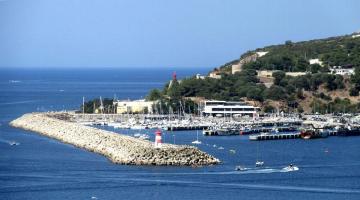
(158, 141)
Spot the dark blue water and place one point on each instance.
(42, 168)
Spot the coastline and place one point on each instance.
(119, 149)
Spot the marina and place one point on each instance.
(267, 127)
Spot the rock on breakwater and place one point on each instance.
(118, 148)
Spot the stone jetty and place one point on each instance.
(120, 149)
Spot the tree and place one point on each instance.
(314, 68)
(355, 78)
(290, 89)
(275, 93)
(154, 95)
(278, 76)
(174, 90)
(288, 43)
(255, 93)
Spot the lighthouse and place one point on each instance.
(158, 141)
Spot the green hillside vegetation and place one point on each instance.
(292, 93)
(334, 51)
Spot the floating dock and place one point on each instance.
(186, 128)
(281, 136)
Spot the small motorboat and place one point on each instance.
(144, 137)
(259, 163)
(232, 151)
(13, 143)
(291, 168)
(196, 142)
(240, 168)
(137, 135)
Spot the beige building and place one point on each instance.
(215, 74)
(137, 106)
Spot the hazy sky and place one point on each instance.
(160, 33)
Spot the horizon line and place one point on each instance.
(103, 67)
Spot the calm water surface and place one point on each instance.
(42, 168)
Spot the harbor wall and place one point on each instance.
(120, 149)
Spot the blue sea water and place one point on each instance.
(43, 168)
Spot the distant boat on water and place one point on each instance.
(259, 163)
(197, 141)
(291, 168)
(13, 143)
(14, 81)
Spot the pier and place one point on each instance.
(281, 136)
(118, 148)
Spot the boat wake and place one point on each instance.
(11, 143)
(255, 186)
(19, 102)
(245, 171)
(265, 170)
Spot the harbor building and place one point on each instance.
(227, 108)
(137, 106)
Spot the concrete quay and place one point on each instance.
(120, 149)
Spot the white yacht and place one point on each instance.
(259, 163)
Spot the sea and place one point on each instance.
(43, 168)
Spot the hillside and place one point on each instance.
(311, 76)
(333, 51)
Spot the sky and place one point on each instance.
(160, 33)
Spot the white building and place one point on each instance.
(198, 76)
(227, 108)
(316, 61)
(355, 35)
(342, 70)
(137, 106)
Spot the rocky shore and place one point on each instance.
(120, 149)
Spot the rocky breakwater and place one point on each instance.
(118, 148)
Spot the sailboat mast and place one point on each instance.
(83, 106)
